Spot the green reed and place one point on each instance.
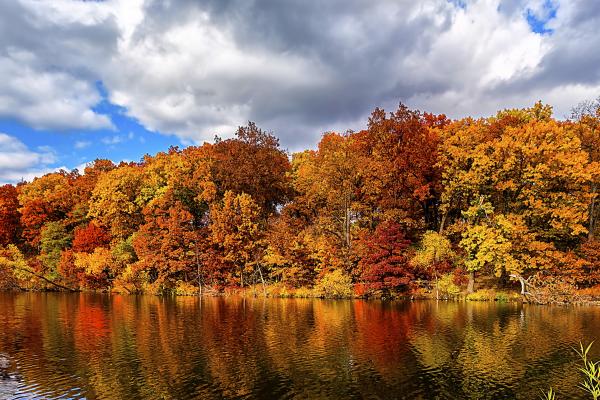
(591, 375)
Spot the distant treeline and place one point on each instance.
(412, 202)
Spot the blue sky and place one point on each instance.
(118, 79)
(538, 20)
(126, 141)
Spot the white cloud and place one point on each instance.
(116, 139)
(81, 167)
(112, 140)
(195, 69)
(47, 99)
(82, 144)
(18, 162)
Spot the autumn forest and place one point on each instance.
(415, 204)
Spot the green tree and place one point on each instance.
(54, 239)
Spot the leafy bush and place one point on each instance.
(482, 295)
(592, 293)
(185, 289)
(492, 295)
(334, 284)
(447, 288)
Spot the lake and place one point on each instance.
(145, 347)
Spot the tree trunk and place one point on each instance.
(592, 222)
(198, 269)
(262, 281)
(503, 278)
(443, 222)
(347, 221)
(471, 285)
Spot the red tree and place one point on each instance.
(9, 215)
(87, 238)
(385, 265)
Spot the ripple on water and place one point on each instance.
(107, 347)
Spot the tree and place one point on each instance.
(398, 165)
(97, 267)
(586, 124)
(253, 163)
(235, 229)
(117, 200)
(292, 253)
(54, 239)
(325, 182)
(166, 244)
(435, 255)
(589, 275)
(12, 263)
(81, 187)
(45, 199)
(10, 227)
(87, 238)
(384, 264)
(516, 189)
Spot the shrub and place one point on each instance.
(492, 295)
(335, 284)
(360, 290)
(592, 293)
(185, 289)
(447, 288)
(482, 295)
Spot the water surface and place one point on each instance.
(145, 347)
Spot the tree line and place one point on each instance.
(412, 202)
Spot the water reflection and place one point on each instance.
(99, 346)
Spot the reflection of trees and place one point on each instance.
(151, 347)
(499, 351)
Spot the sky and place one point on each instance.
(119, 79)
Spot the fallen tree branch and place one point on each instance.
(40, 276)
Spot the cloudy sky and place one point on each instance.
(118, 79)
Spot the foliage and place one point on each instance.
(12, 266)
(492, 295)
(53, 240)
(384, 264)
(334, 285)
(185, 289)
(10, 226)
(235, 230)
(448, 289)
(511, 195)
(87, 238)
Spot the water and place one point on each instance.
(126, 347)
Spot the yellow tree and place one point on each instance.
(532, 174)
(326, 182)
(236, 231)
(435, 255)
(117, 201)
(586, 125)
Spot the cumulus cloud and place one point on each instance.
(195, 69)
(18, 162)
(49, 60)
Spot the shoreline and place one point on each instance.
(479, 296)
